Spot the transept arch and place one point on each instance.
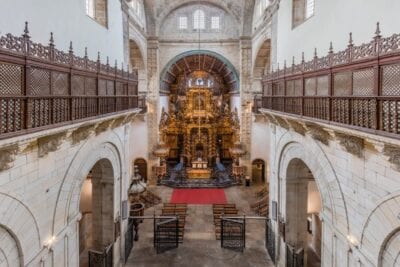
(176, 4)
(206, 60)
(137, 61)
(261, 64)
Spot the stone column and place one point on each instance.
(246, 99)
(153, 102)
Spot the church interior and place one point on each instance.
(201, 133)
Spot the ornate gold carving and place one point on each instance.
(7, 156)
(318, 133)
(50, 143)
(82, 133)
(393, 152)
(297, 127)
(352, 144)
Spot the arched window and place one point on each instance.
(309, 8)
(183, 23)
(199, 20)
(215, 23)
(97, 10)
(302, 10)
(90, 8)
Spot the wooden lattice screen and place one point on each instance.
(42, 87)
(358, 87)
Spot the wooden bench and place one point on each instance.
(220, 210)
(176, 209)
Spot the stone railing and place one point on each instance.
(42, 87)
(358, 87)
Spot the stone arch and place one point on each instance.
(137, 61)
(333, 204)
(24, 232)
(10, 253)
(227, 67)
(261, 64)
(176, 4)
(264, 167)
(142, 166)
(67, 206)
(390, 255)
(377, 245)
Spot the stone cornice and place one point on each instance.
(353, 141)
(352, 144)
(51, 140)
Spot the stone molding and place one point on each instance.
(282, 122)
(393, 152)
(82, 133)
(297, 127)
(352, 144)
(50, 143)
(103, 126)
(318, 133)
(7, 156)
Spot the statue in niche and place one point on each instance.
(226, 108)
(199, 102)
(164, 118)
(235, 118)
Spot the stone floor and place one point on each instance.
(200, 248)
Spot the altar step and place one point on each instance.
(198, 183)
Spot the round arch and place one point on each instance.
(259, 168)
(67, 206)
(223, 63)
(24, 232)
(333, 206)
(375, 243)
(176, 4)
(10, 250)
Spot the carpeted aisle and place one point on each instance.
(198, 196)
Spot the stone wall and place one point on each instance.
(358, 177)
(229, 27)
(69, 22)
(41, 183)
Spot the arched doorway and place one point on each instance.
(96, 227)
(303, 229)
(142, 167)
(258, 171)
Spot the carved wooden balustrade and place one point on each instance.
(358, 87)
(42, 87)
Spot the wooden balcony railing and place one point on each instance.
(42, 87)
(357, 88)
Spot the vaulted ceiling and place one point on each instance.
(158, 10)
(200, 61)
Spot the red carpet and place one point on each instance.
(198, 196)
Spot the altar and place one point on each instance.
(199, 173)
(199, 170)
